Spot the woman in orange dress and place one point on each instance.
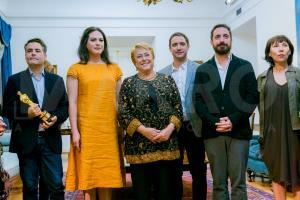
(94, 160)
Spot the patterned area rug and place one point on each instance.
(126, 193)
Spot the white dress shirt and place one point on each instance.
(179, 75)
(39, 87)
(223, 70)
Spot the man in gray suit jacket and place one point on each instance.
(183, 71)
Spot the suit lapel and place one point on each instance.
(48, 86)
(169, 70)
(215, 72)
(189, 75)
(26, 86)
(230, 71)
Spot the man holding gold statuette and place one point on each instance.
(36, 104)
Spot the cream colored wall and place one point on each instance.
(3, 6)
(60, 24)
(111, 9)
(272, 17)
(61, 27)
(63, 38)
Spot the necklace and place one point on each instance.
(147, 77)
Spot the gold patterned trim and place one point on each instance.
(174, 120)
(151, 157)
(133, 125)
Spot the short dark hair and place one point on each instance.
(179, 34)
(273, 40)
(37, 40)
(83, 51)
(220, 26)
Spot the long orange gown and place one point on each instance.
(97, 164)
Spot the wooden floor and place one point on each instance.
(16, 193)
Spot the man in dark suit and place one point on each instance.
(37, 143)
(225, 95)
(183, 71)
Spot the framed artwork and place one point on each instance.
(50, 68)
(198, 61)
(54, 69)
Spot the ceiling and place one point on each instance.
(114, 8)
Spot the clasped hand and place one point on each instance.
(224, 125)
(34, 111)
(156, 135)
(46, 125)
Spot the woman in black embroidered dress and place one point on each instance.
(151, 113)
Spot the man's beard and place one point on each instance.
(222, 49)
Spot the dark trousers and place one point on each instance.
(228, 158)
(43, 189)
(41, 162)
(195, 150)
(156, 180)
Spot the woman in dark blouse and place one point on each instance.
(151, 113)
(279, 88)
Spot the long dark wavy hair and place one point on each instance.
(83, 51)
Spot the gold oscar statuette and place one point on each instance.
(44, 116)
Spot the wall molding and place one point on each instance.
(71, 22)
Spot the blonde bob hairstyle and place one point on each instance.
(141, 45)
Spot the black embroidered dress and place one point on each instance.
(154, 104)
